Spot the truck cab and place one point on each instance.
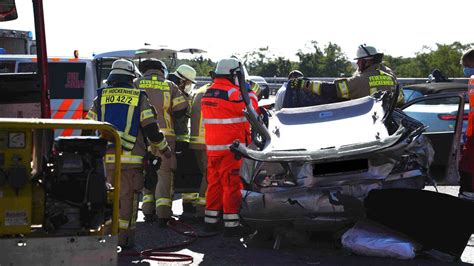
(17, 42)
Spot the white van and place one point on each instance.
(73, 82)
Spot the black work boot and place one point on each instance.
(150, 218)
(188, 208)
(211, 228)
(238, 231)
(163, 222)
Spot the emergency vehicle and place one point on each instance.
(72, 87)
(17, 42)
(74, 81)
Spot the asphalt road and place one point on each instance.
(297, 249)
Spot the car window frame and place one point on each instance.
(452, 172)
(413, 91)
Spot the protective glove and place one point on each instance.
(166, 152)
(256, 89)
(300, 83)
(152, 164)
(160, 149)
(181, 146)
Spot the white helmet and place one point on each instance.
(365, 51)
(123, 67)
(227, 66)
(186, 72)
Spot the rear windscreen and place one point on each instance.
(66, 80)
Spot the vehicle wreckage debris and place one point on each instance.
(419, 213)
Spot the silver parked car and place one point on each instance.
(441, 107)
(438, 114)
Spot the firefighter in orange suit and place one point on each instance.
(224, 122)
(170, 104)
(466, 164)
(129, 110)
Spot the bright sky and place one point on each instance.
(223, 28)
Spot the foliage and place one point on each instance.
(327, 62)
(200, 64)
(445, 58)
(262, 62)
(330, 61)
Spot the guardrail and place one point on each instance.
(276, 82)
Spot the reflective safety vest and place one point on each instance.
(121, 108)
(223, 117)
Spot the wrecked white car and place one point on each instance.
(313, 166)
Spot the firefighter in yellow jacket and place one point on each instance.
(130, 111)
(371, 76)
(169, 104)
(185, 78)
(198, 144)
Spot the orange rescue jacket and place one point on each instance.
(223, 117)
(466, 164)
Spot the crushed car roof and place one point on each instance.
(325, 132)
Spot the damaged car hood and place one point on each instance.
(326, 132)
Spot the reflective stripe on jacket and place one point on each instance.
(366, 83)
(223, 117)
(181, 124)
(165, 96)
(125, 158)
(197, 134)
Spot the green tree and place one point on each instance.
(256, 61)
(202, 65)
(445, 58)
(311, 63)
(262, 62)
(336, 62)
(330, 61)
(327, 62)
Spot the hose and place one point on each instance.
(157, 254)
